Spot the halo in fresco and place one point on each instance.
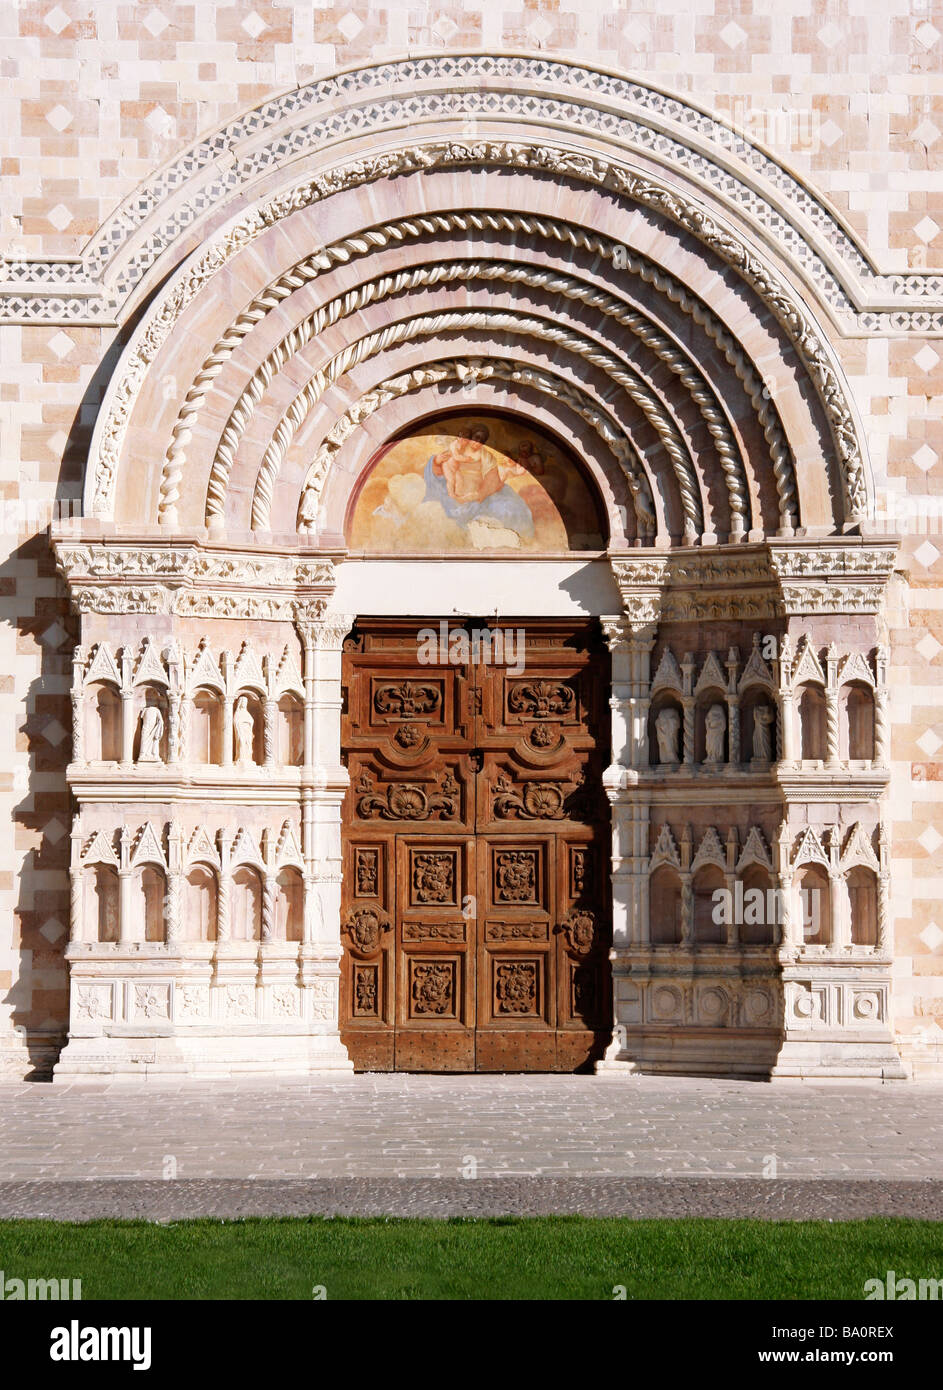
(473, 483)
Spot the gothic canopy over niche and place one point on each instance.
(618, 286)
(473, 483)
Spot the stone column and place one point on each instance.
(226, 751)
(173, 728)
(78, 705)
(174, 699)
(882, 727)
(77, 929)
(687, 891)
(730, 879)
(172, 922)
(733, 709)
(687, 754)
(787, 730)
(125, 884)
(225, 666)
(268, 905)
(883, 945)
(324, 782)
(841, 936)
(784, 706)
(269, 710)
(789, 943)
(621, 701)
(224, 891)
(832, 741)
(127, 709)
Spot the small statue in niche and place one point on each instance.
(715, 728)
(763, 717)
(244, 726)
(152, 731)
(667, 725)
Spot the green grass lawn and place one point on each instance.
(506, 1258)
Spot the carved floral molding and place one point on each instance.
(188, 579)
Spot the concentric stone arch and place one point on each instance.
(614, 177)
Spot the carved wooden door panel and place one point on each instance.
(544, 999)
(408, 730)
(475, 900)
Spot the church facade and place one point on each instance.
(497, 630)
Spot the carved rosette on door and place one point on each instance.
(475, 896)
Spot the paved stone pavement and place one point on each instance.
(329, 1134)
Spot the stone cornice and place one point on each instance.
(775, 579)
(192, 577)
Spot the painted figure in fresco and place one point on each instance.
(666, 727)
(152, 728)
(469, 482)
(763, 717)
(715, 728)
(244, 726)
(528, 459)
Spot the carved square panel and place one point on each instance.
(192, 1002)
(433, 988)
(239, 1001)
(517, 987)
(867, 1006)
(93, 1003)
(150, 1002)
(433, 877)
(365, 991)
(517, 875)
(285, 1001)
(367, 872)
(665, 1004)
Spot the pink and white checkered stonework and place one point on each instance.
(698, 243)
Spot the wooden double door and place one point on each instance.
(475, 905)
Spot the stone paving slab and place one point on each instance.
(639, 1198)
(446, 1127)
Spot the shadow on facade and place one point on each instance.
(46, 632)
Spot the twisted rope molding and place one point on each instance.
(379, 238)
(426, 276)
(453, 321)
(502, 154)
(481, 369)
